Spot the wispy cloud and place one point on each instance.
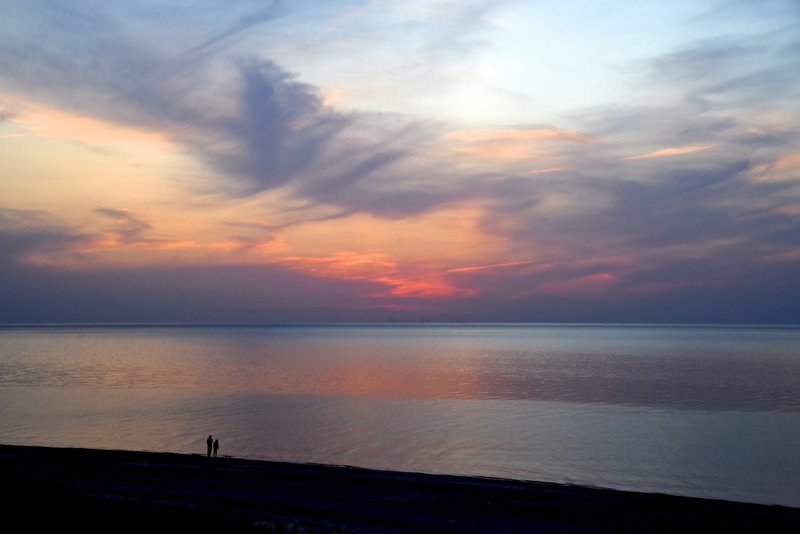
(492, 266)
(398, 280)
(674, 151)
(520, 134)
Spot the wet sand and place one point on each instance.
(121, 491)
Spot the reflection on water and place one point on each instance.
(685, 368)
(696, 411)
(746, 456)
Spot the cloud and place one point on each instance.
(397, 57)
(397, 280)
(129, 228)
(566, 200)
(674, 151)
(37, 238)
(199, 293)
(238, 27)
(43, 121)
(258, 127)
(514, 144)
(693, 285)
(280, 130)
(519, 134)
(29, 237)
(704, 221)
(46, 292)
(491, 266)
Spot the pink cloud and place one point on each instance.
(400, 281)
(674, 151)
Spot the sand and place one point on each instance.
(45, 489)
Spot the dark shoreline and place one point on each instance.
(102, 490)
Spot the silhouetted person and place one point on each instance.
(216, 447)
(209, 442)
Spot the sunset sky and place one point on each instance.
(426, 160)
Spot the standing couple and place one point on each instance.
(213, 444)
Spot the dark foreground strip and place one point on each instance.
(48, 489)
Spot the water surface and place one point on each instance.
(706, 411)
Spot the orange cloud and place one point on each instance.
(375, 267)
(129, 239)
(491, 266)
(548, 170)
(530, 134)
(426, 286)
(784, 168)
(791, 161)
(674, 151)
(345, 265)
(43, 121)
(512, 144)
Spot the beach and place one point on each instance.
(101, 490)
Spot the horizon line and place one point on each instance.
(385, 323)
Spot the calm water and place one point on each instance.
(704, 411)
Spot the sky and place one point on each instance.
(257, 161)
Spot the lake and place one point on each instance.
(711, 411)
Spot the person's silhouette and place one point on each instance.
(216, 447)
(209, 442)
